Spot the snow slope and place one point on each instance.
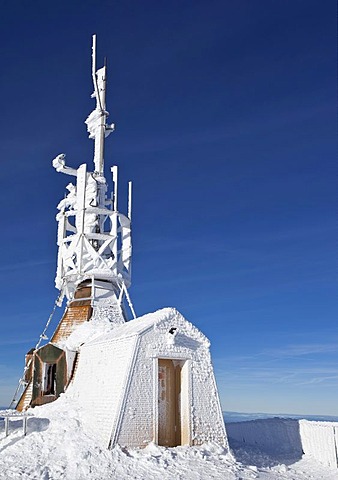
(57, 448)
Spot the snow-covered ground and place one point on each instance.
(57, 448)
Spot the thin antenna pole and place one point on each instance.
(94, 63)
(101, 106)
(130, 191)
(114, 225)
(114, 171)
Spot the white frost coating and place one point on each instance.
(69, 202)
(93, 122)
(96, 121)
(111, 313)
(289, 436)
(152, 320)
(107, 369)
(117, 367)
(85, 332)
(57, 447)
(88, 236)
(319, 439)
(94, 239)
(90, 219)
(104, 294)
(103, 320)
(126, 241)
(59, 163)
(70, 357)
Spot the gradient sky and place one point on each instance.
(225, 121)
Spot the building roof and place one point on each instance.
(142, 324)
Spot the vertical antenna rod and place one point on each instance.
(130, 191)
(94, 62)
(99, 81)
(96, 121)
(114, 170)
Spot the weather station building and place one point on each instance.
(147, 379)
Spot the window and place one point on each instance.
(49, 379)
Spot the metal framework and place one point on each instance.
(94, 238)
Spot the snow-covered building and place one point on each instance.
(154, 380)
(149, 379)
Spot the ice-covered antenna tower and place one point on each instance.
(96, 122)
(94, 238)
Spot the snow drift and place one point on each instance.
(56, 447)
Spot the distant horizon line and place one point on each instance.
(259, 415)
(256, 415)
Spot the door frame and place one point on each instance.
(186, 400)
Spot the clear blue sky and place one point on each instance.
(225, 114)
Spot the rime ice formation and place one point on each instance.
(57, 447)
(94, 238)
(320, 440)
(140, 356)
(94, 258)
(152, 376)
(286, 436)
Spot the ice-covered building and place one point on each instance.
(149, 379)
(154, 380)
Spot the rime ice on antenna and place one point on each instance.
(96, 121)
(94, 238)
(147, 380)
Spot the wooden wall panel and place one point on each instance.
(74, 316)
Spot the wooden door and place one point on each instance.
(169, 402)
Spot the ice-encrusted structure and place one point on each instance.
(94, 260)
(94, 238)
(320, 441)
(154, 381)
(146, 380)
(289, 436)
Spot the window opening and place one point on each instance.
(49, 379)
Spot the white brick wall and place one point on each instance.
(116, 381)
(98, 385)
(137, 418)
(206, 417)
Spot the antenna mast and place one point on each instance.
(94, 238)
(96, 122)
(101, 106)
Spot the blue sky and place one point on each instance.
(225, 121)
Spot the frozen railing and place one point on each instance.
(12, 414)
